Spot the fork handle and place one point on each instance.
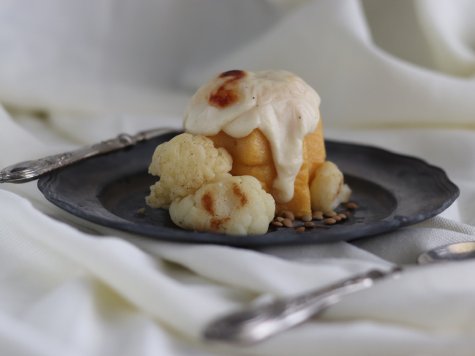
(30, 170)
(257, 323)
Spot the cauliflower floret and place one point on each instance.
(327, 190)
(234, 206)
(184, 164)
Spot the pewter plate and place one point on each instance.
(391, 191)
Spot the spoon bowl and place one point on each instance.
(453, 252)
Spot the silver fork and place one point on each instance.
(260, 322)
(257, 323)
(30, 170)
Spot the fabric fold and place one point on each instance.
(97, 69)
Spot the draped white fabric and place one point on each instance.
(398, 75)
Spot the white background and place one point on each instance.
(398, 75)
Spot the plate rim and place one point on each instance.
(260, 240)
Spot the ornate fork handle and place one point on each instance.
(30, 170)
(257, 323)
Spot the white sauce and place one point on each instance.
(278, 103)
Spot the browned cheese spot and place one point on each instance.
(208, 203)
(240, 194)
(227, 94)
(235, 73)
(215, 223)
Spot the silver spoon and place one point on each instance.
(257, 323)
(453, 252)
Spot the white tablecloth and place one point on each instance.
(398, 75)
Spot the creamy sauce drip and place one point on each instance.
(278, 103)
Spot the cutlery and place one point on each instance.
(30, 170)
(453, 252)
(259, 322)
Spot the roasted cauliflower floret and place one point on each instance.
(234, 206)
(327, 190)
(185, 164)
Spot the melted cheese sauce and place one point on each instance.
(278, 103)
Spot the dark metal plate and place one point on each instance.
(391, 191)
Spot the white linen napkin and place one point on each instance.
(71, 287)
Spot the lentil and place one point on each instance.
(329, 221)
(287, 222)
(307, 218)
(289, 215)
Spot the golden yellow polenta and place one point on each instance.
(252, 155)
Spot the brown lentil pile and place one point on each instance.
(285, 218)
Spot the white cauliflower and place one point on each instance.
(327, 190)
(234, 205)
(185, 164)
